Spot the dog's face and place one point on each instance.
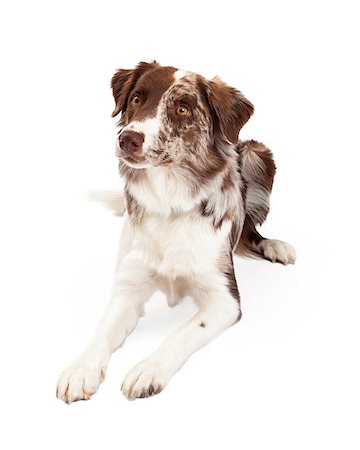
(177, 118)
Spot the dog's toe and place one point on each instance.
(79, 383)
(146, 379)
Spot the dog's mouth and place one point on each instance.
(134, 161)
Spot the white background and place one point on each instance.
(285, 377)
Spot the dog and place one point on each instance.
(194, 195)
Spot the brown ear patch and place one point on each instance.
(229, 107)
(124, 81)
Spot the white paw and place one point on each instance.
(147, 378)
(80, 381)
(278, 251)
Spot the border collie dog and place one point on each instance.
(194, 195)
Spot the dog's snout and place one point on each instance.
(131, 141)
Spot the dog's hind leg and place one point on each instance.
(252, 244)
(258, 170)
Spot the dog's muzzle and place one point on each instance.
(131, 146)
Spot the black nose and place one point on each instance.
(131, 141)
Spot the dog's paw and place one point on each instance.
(278, 251)
(146, 379)
(79, 382)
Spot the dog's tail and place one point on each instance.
(113, 200)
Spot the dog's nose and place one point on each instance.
(131, 141)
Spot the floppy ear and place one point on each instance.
(124, 81)
(231, 110)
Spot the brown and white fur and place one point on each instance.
(194, 195)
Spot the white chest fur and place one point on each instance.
(179, 245)
(161, 192)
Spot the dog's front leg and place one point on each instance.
(219, 308)
(133, 286)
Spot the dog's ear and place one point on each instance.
(124, 81)
(229, 108)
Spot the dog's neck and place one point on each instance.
(163, 191)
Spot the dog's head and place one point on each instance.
(178, 118)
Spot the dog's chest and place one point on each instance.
(179, 245)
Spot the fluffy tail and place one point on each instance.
(113, 200)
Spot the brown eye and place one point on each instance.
(135, 101)
(182, 111)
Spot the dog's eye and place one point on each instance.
(135, 101)
(182, 111)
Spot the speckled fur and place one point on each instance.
(193, 196)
